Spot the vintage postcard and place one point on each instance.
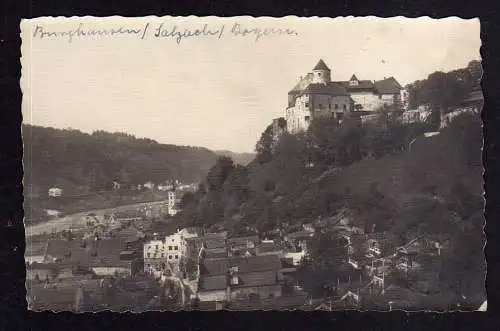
(239, 163)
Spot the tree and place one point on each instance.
(218, 174)
(444, 90)
(264, 146)
(321, 267)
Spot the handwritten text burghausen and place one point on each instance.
(163, 31)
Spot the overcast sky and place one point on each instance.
(219, 93)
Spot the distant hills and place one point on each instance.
(238, 158)
(82, 163)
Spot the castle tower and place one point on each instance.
(321, 73)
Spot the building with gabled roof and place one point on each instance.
(316, 95)
(238, 278)
(103, 257)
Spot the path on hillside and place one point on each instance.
(77, 219)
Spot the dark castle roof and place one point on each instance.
(332, 88)
(321, 66)
(388, 86)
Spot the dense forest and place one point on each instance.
(82, 163)
(388, 174)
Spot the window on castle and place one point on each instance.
(307, 118)
(344, 106)
(176, 248)
(169, 248)
(170, 257)
(336, 106)
(329, 106)
(307, 104)
(177, 257)
(149, 254)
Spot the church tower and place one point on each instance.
(321, 73)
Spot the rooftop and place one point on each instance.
(266, 247)
(242, 240)
(214, 266)
(256, 263)
(321, 65)
(211, 283)
(105, 252)
(332, 88)
(257, 278)
(388, 86)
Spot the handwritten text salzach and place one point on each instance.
(163, 31)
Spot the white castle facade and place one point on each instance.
(316, 95)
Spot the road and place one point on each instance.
(76, 220)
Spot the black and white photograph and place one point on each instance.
(253, 163)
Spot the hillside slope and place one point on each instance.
(81, 163)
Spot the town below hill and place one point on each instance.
(383, 214)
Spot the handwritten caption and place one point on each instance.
(164, 31)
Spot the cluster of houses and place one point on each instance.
(219, 271)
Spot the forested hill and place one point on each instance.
(81, 163)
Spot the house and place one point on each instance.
(309, 227)
(255, 276)
(242, 243)
(419, 115)
(154, 257)
(167, 254)
(295, 257)
(240, 278)
(215, 253)
(389, 92)
(298, 240)
(171, 203)
(214, 240)
(268, 247)
(55, 192)
(149, 185)
(213, 282)
(48, 271)
(165, 187)
(103, 257)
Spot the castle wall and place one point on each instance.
(369, 100)
(299, 116)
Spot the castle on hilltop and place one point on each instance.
(316, 95)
